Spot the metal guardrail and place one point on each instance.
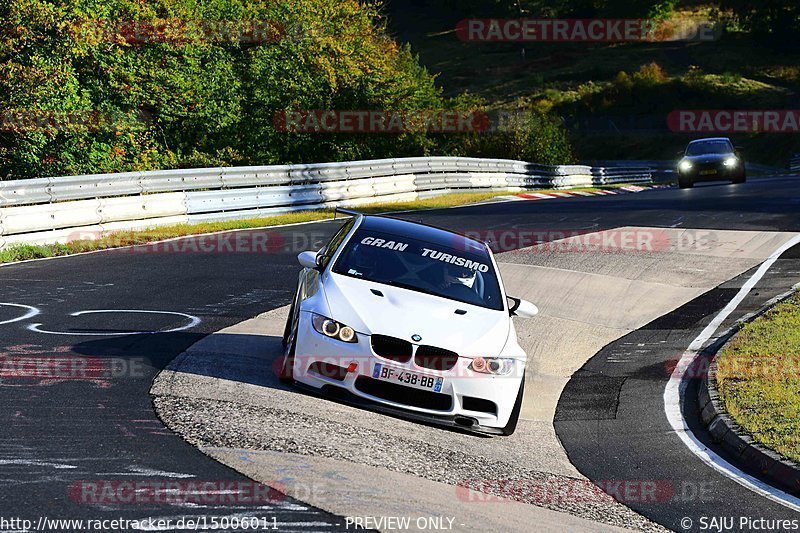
(59, 209)
(794, 163)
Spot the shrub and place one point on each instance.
(650, 75)
(525, 135)
(775, 21)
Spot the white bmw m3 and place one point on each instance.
(408, 319)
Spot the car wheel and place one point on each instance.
(684, 183)
(741, 179)
(511, 427)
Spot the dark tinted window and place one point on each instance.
(709, 147)
(400, 261)
(330, 249)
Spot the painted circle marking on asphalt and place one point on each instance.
(193, 321)
(32, 312)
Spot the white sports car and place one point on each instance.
(410, 319)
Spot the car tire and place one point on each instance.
(511, 426)
(289, 342)
(684, 183)
(287, 367)
(287, 330)
(741, 179)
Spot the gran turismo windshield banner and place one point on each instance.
(421, 266)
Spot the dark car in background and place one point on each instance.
(710, 160)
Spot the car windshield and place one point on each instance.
(401, 261)
(709, 147)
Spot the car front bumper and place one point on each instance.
(712, 172)
(466, 399)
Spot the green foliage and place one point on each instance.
(654, 9)
(651, 90)
(525, 135)
(89, 86)
(650, 75)
(774, 21)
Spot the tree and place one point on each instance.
(776, 21)
(110, 85)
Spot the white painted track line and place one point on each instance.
(193, 321)
(676, 388)
(32, 312)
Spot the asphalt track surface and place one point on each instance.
(611, 420)
(67, 426)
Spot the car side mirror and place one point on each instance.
(522, 308)
(308, 259)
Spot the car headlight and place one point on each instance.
(491, 365)
(333, 329)
(685, 165)
(731, 162)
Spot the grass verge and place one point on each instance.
(759, 378)
(614, 97)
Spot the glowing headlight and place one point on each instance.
(490, 365)
(731, 162)
(685, 165)
(331, 328)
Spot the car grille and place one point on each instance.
(401, 351)
(404, 395)
(392, 348)
(709, 166)
(435, 358)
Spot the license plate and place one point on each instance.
(404, 377)
(707, 172)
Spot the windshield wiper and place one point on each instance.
(410, 287)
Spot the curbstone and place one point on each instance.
(779, 470)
